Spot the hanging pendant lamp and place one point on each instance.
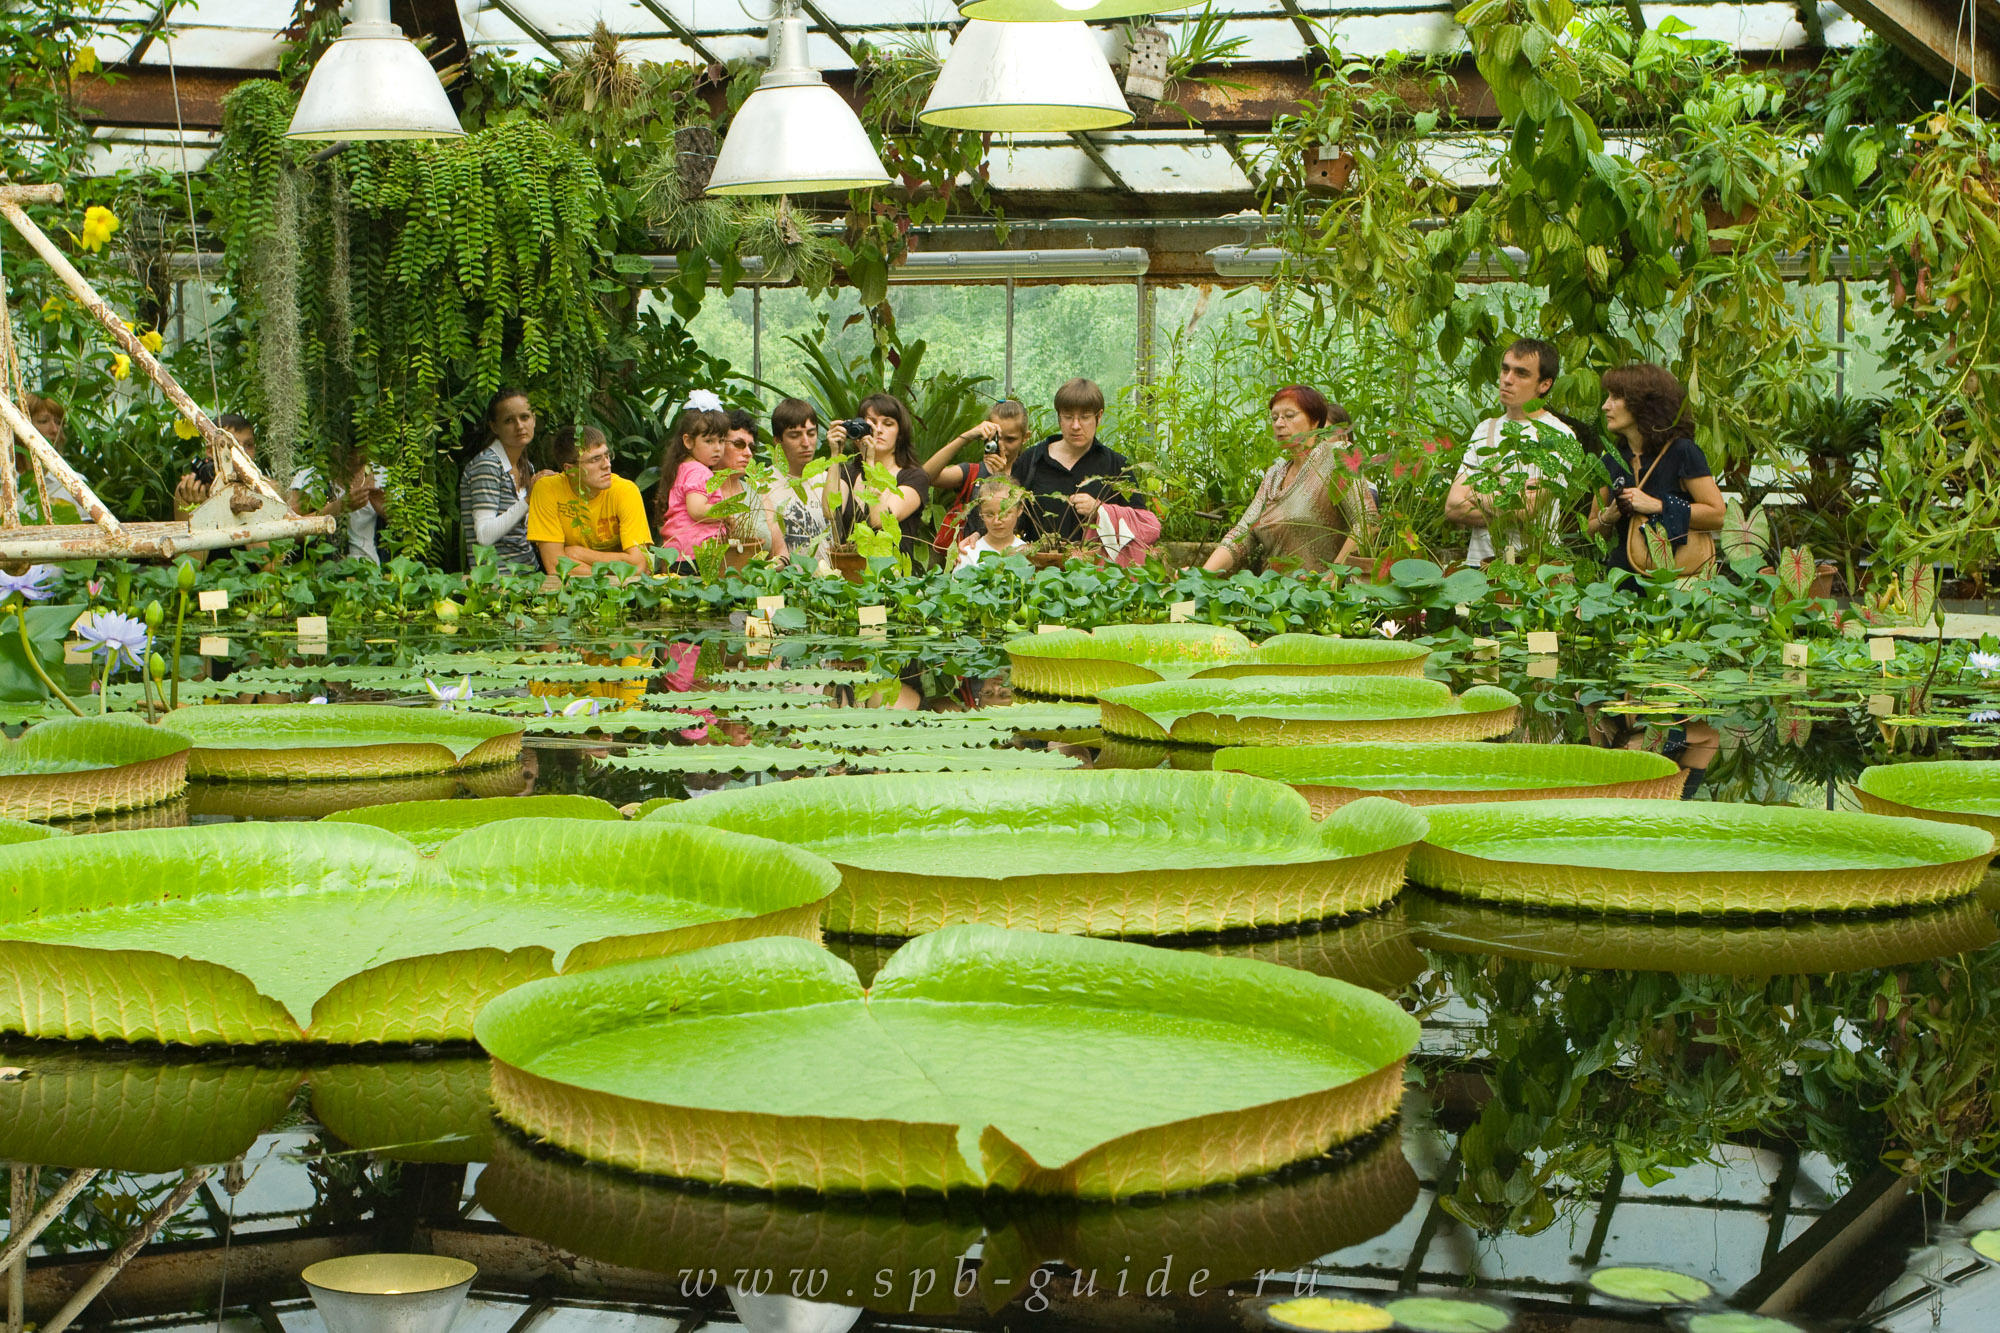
(794, 135)
(373, 83)
(1056, 11)
(1013, 77)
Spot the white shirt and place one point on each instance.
(970, 553)
(361, 520)
(1485, 437)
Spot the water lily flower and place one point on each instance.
(33, 585)
(94, 586)
(581, 708)
(1984, 715)
(121, 366)
(1984, 663)
(317, 699)
(98, 224)
(119, 636)
(450, 694)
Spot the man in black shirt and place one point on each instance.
(1070, 474)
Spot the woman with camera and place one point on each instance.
(1311, 510)
(883, 435)
(1659, 476)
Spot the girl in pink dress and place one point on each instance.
(683, 499)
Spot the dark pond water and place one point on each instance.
(1800, 1114)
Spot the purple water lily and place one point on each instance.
(451, 695)
(32, 585)
(119, 636)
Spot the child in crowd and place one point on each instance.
(682, 498)
(1003, 433)
(999, 504)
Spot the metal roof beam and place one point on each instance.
(680, 30)
(828, 26)
(1096, 156)
(536, 35)
(153, 27)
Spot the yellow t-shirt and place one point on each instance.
(614, 519)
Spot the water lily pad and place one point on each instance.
(1326, 1314)
(409, 1110)
(340, 933)
(72, 767)
(316, 800)
(1650, 1286)
(725, 758)
(764, 1064)
(1263, 712)
(1088, 853)
(1456, 772)
(1986, 1244)
(1078, 664)
(1954, 791)
(326, 742)
(1694, 859)
(1736, 1321)
(430, 824)
(1440, 1314)
(20, 830)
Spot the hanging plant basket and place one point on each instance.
(694, 158)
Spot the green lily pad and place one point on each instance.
(1119, 852)
(431, 824)
(316, 800)
(1955, 791)
(1737, 1321)
(1650, 1286)
(1986, 1244)
(408, 1110)
(1448, 772)
(243, 933)
(725, 758)
(1694, 859)
(1327, 1314)
(1264, 712)
(325, 742)
(1078, 664)
(1439, 1314)
(20, 830)
(764, 1064)
(74, 767)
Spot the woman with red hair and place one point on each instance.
(1310, 511)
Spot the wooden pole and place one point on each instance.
(45, 454)
(121, 1256)
(19, 1241)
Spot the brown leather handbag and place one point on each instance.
(1692, 556)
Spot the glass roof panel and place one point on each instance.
(226, 48)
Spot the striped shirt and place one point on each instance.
(488, 483)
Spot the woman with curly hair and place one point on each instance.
(1659, 475)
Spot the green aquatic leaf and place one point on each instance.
(1986, 1244)
(408, 1110)
(322, 742)
(778, 678)
(20, 830)
(1650, 1286)
(1327, 1314)
(1117, 852)
(1439, 1314)
(82, 744)
(966, 759)
(1439, 772)
(73, 767)
(343, 933)
(764, 1064)
(1954, 791)
(725, 758)
(1696, 859)
(1076, 664)
(1309, 711)
(430, 824)
(1738, 1321)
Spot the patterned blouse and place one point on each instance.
(1309, 519)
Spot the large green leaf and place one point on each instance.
(1118, 852)
(1312, 711)
(1957, 791)
(47, 626)
(1701, 859)
(342, 933)
(72, 767)
(20, 830)
(764, 1064)
(1441, 772)
(323, 742)
(316, 800)
(1077, 664)
(408, 1110)
(431, 824)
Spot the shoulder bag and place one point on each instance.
(1692, 556)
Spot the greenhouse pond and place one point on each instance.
(1717, 1126)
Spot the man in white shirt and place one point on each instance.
(1528, 370)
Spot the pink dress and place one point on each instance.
(678, 530)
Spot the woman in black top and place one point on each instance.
(1657, 470)
(890, 442)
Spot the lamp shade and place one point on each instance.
(1011, 77)
(389, 1293)
(794, 134)
(1056, 11)
(373, 83)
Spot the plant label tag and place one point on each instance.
(82, 620)
(1486, 648)
(1796, 655)
(766, 605)
(757, 627)
(312, 646)
(214, 599)
(1881, 648)
(1880, 705)
(872, 615)
(212, 646)
(1543, 668)
(1795, 678)
(874, 632)
(75, 654)
(1541, 641)
(1179, 613)
(1046, 628)
(312, 627)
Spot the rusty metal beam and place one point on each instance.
(172, 1277)
(1098, 160)
(142, 97)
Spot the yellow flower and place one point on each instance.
(52, 309)
(185, 429)
(85, 61)
(152, 341)
(121, 366)
(98, 224)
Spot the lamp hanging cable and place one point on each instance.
(194, 226)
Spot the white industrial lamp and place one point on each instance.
(1055, 11)
(373, 83)
(1014, 77)
(794, 135)
(389, 1293)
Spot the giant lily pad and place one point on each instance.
(325, 742)
(20, 830)
(316, 800)
(1698, 859)
(336, 933)
(431, 824)
(764, 1064)
(1306, 712)
(408, 1110)
(72, 767)
(1078, 664)
(1456, 772)
(1084, 853)
(1961, 791)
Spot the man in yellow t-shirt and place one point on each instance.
(589, 514)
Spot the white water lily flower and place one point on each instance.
(1984, 715)
(317, 699)
(120, 636)
(581, 708)
(1984, 663)
(450, 695)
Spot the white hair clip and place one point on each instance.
(703, 400)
